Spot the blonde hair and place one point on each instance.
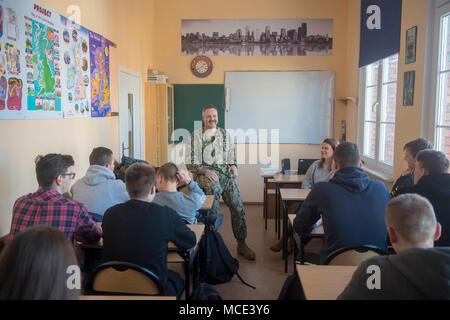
(412, 217)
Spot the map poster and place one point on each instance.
(12, 61)
(43, 67)
(99, 59)
(75, 70)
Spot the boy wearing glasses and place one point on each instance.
(47, 205)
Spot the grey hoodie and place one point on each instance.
(99, 190)
(412, 274)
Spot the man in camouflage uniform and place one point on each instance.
(213, 165)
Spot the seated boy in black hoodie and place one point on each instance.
(417, 271)
(138, 231)
(432, 180)
(352, 206)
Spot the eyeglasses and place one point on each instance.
(71, 175)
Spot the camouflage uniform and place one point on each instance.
(217, 154)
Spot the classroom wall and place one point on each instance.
(125, 22)
(171, 62)
(409, 119)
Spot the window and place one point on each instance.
(377, 119)
(442, 114)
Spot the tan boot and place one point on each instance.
(245, 251)
(277, 246)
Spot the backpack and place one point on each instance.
(216, 263)
(292, 289)
(205, 292)
(119, 170)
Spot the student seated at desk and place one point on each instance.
(352, 205)
(410, 151)
(186, 205)
(33, 266)
(47, 205)
(99, 189)
(432, 181)
(319, 171)
(417, 271)
(138, 231)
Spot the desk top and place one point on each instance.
(197, 228)
(324, 282)
(124, 297)
(207, 205)
(294, 194)
(289, 178)
(316, 231)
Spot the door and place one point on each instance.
(130, 113)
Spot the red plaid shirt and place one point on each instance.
(47, 206)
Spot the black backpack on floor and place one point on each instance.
(216, 263)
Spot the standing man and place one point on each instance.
(213, 165)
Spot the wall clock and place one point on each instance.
(201, 66)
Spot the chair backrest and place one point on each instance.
(352, 255)
(117, 277)
(285, 165)
(304, 164)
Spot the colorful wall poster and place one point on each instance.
(99, 60)
(12, 97)
(43, 68)
(75, 70)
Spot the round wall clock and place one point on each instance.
(201, 66)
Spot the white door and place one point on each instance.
(130, 114)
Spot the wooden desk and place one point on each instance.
(289, 197)
(92, 297)
(324, 282)
(282, 180)
(207, 205)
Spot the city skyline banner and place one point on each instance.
(257, 37)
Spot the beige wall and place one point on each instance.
(171, 62)
(128, 23)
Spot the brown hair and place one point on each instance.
(333, 143)
(33, 266)
(347, 155)
(50, 166)
(412, 216)
(140, 178)
(209, 106)
(168, 171)
(101, 156)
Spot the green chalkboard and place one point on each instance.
(189, 100)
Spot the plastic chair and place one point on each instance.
(352, 255)
(124, 278)
(304, 164)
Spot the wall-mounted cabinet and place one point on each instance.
(158, 122)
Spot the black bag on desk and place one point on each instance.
(216, 263)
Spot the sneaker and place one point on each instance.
(245, 251)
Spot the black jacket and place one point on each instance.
(352, 208)
(411, 274)
(402, 182)
(139, 232)
(436, 188)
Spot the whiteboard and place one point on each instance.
(298, 103)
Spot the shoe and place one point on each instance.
(245, 251)
(277, 246)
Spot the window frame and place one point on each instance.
(437, 9)
(374, 163)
